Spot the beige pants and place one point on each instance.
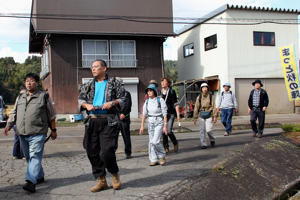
(206, 125)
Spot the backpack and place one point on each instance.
(159, 105)
(222, 94)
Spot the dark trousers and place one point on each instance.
(17, 149)
(124, 126)
(257, 113)
(171, 135)
(99, 142)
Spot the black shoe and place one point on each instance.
(204, 147)
(29, 186)
(128, 157)
(212, 143)
(41, 180)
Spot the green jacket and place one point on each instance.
(32, 116)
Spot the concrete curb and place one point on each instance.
(234, 127)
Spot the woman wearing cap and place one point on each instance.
(205, 109)
(155, 109)
(146, 95)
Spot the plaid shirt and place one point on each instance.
(256, 95)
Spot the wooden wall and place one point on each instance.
(66, 68)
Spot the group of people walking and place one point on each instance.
(107, 107)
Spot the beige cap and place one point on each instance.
(153, 82)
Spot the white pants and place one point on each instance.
(155, 131)
(206, 125)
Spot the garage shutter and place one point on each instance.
(276, 89)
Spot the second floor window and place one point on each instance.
(122, 53)
(188, 50)
(264, 38)
(116, 53)
(93, 50)
(210, 42)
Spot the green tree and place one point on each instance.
(171, 71)
(12, 75)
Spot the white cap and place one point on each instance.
(204, 85)
(227, 84)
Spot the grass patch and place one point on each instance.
(277, 144)
(65, 124)
(291, 127)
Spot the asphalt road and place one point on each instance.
(68, 171)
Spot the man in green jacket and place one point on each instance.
(32, 113)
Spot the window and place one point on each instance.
(93, 50)
(264, 38)
(188, 50)
(86, 80)
(122, 53)
(45, 64)
(210, 42)
(116, 53)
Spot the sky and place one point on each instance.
(14, 32)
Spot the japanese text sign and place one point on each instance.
(290, 72)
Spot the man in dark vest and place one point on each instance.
(258, 102)
(124, 122)
(32, 114)
(101, 126)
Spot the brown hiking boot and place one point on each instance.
(176, 148)
(167, 151)
(101, 185)
(253, 134)
(259, 135)
(116, 181)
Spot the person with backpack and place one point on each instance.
(32, 113)
(227, 101)
(170, 97)
(258, 102)
(205, 110)
(146, 95)
(155, 109)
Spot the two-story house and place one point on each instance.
(70, 35)
(238, 44)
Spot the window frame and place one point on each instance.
(45, 64)
(110, 54)
(82, 53)
(184, 50)
(264, 39)
(213, 46)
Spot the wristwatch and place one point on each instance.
(112, 103)
(54, 130)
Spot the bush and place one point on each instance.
(291, 127)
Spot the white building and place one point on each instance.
(239, 45)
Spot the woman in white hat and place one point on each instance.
(205, 110)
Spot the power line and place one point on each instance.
(166, 20)
(12, 13)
